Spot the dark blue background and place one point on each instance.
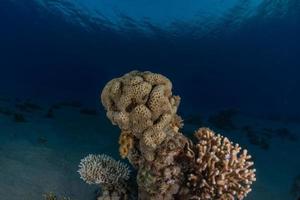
(253, 66)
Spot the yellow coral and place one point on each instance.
(176, 123)
(126, 143)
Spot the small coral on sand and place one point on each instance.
(110, 174)
(102, 169)
(52, 196)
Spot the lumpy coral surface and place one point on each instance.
(141, 103)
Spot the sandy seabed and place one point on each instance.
(42, 154)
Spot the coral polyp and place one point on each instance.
(169, 165)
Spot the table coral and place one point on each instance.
(169, 165)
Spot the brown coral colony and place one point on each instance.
(169, 165)
(141, 104)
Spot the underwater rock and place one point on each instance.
(259, 140)
(295, 189)
(5, 99)
(6, 111)
(223, 119)
(267, 133)
(72, 104)
(42, 140)
(170, 166)
(194, 120)
(28, 106)
(19, 118)
(89, 111)
(50, 113)
(284, 133)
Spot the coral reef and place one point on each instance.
(285, 133)
(295, 190)
(260, 140)
(141, 103)
(52, 196)
(169, 165)
(50, 113)
(42, 140)
(19, 118)
(110, 174)
(28, 106)
(223, 119)
(5, 111)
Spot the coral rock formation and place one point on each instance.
(169, 165)
(141, 103)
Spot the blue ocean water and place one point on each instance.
(237, 54)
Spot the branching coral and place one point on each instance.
(102, 169)
(110, 174)
(221, 170)
(170, 166)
